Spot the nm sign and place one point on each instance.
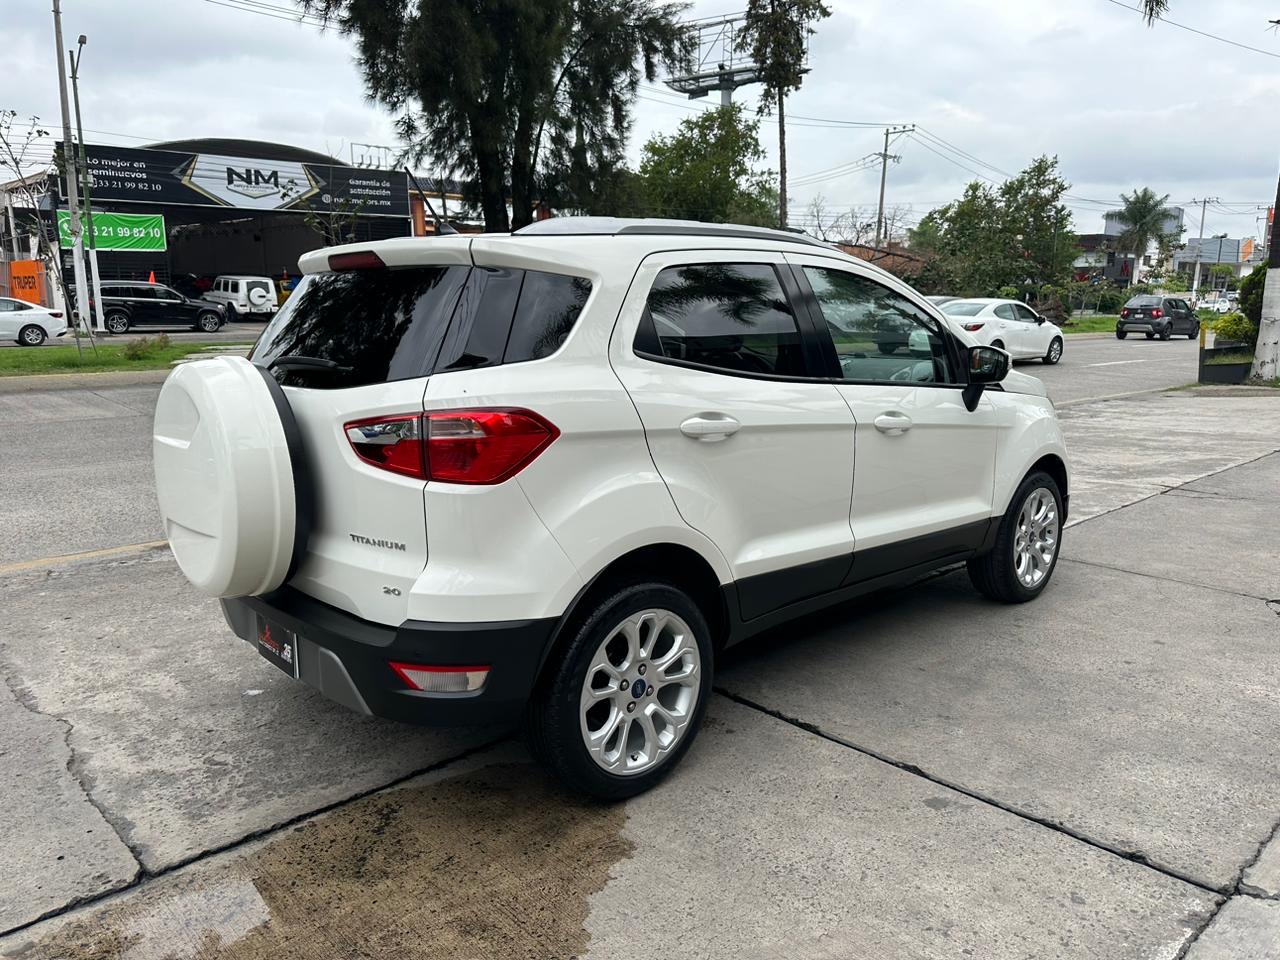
(245, 183)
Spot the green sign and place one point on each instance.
(118, 231)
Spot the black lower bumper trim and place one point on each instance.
(346, 658)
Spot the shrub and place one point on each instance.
(1237, 328)
(1008, 293)
(1251, 293)
(137, 349)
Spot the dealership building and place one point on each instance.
(219, 206)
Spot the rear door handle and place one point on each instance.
(892, 423)
(710, 426)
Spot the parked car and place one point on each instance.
(1157, 316)
(939, 301)
(132, 303)
(1010, 325)
(245, 297)
(28, 323)
(629, 445)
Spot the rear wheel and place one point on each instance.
(1150, 335)
(1026, 552)
(31, 335)
(1166, 331)
(117, 321)
(1054, 353)
(998, 344)
(1121, 334)
(1195, 332)
(623, 701)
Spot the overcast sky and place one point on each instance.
(1122, 105)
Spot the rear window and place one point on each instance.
(959, 308)
(1143, 302)
(377, 326)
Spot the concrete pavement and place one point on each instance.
(922, 774)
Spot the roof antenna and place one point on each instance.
(442, 227)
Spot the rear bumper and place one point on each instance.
(1142, 326)
(346, 658)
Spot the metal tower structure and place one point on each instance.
(719, 64)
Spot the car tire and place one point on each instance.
(1054, 353)
(1011, 572)
(607, 653)
(209, 323)
(888, 349)
(1121, 334)
(1166, 331)
(998, 344)
(1195, 332)
(1150, 335)
(116, 322)
(32, 335)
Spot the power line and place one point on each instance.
(1201, 33)
(298, 17)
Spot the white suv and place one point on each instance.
(244, 297)
(551, 475)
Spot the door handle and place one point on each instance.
(710, 426)
(892, 423)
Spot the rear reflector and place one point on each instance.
(453, 446)
(360, 260)
(441, 679)
(974, 326)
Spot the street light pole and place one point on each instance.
(69, 161)
(1195, 280)
(100, 321)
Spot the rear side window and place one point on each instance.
(732, 317)
(374, 325)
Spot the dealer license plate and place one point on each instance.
(279, 646)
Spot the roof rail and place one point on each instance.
(622, 226)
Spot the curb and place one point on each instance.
(81, 381)
(1089, 336)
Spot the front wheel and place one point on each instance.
(1054, 353)
(209, 322)
(1026, 552)
(622, 702)
(1121, 334)
(31, 335)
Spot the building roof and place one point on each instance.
(257, 149)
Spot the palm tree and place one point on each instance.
(1266, 357)
(1143, 216)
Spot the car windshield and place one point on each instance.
(963, 308)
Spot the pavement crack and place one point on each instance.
(1125, 853)
(1248, 889)
(76, 772)
(1153, 576)
(144, 875)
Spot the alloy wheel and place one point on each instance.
(32, 337)
(640, 692)
(1055, 351)
(1035, 543)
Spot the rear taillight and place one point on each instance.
(57, 314)
(440, 679)
(453, 446)
(1156, 313)
(1124, 313)
(971, 327)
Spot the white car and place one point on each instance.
(551, 475)
(28, 323)
(252, 298)
(1010, 325)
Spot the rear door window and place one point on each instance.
(373, 325)
(730, 317)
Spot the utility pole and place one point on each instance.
(74, 58)
(69, 161)
(1195, 279)
(884, 173)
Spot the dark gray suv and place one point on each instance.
(1158, 316)
(135, 303)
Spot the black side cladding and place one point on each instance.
(304, 493)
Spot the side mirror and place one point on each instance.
(986, 365)
(1040, 319)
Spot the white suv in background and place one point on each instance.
(1010, 325)
(244, 297)
(551, 475)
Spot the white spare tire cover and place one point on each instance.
(257, 296)
(225, 476)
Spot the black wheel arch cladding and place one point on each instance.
(304, 493)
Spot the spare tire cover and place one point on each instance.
(257, 296)
(224, 476)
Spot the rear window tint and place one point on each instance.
(376, 325)
(1143, 302)
(550, 305)
(961, 308)
(478, 335)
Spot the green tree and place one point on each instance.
(1016, 235)
(519, 97)
(706, 171)
(776, 34)
(1224, 276)
(1142, 217)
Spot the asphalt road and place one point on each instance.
(236, 332)
(1094, 368)
(919, 775)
